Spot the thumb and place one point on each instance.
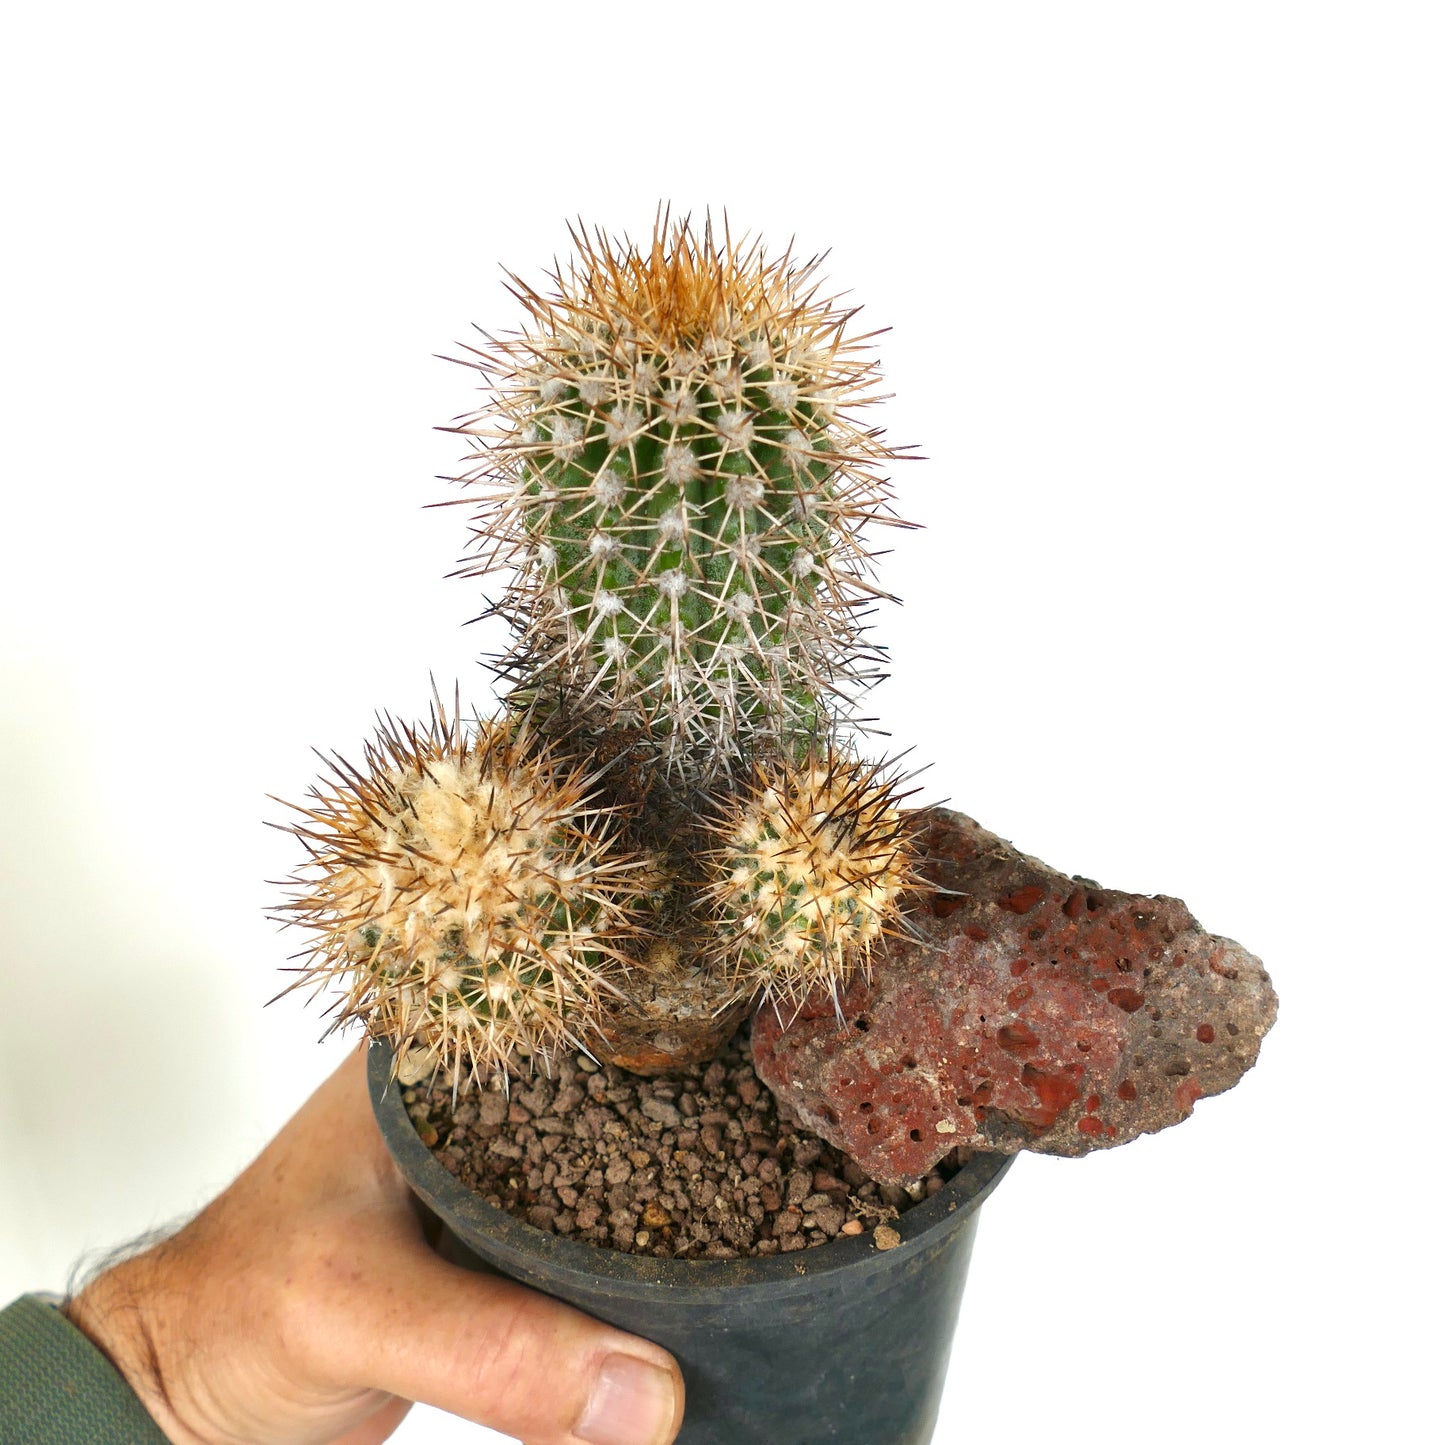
(504, 1356)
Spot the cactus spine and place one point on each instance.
(675, 467)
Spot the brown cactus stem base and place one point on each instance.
(678, 1011)
(683, 1016)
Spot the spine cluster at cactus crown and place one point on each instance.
(679, 486)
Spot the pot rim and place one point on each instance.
(526, 1246)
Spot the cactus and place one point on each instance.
(668, 818)
(467, 894)
(807, 869)
(675, 467)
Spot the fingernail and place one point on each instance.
(633, 1403)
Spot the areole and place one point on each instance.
(844, 1343)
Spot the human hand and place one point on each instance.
(305, 1306)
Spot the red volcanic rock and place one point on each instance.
(1034, 1011)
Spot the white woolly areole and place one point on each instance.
(672, 525)
(735, 427)
(608, 488)
(679, 464)
(592, 389)
(739, 606)
(673, 583)
(551, 389)
(501, 988)
(645, 376)
(802, 564)
(757, 353)
(782, 394)
(744, 493)
(603, 547)
(727, 381)
(607, 604)
(684, 361)
(614, 648)
(566, 438)
(622, 423)
(678, 404)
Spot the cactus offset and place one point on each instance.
(466, 894)
(807, 869)
(676, 470)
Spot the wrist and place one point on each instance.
(117, 1313)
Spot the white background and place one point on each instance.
(1165, 289)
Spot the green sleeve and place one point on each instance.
(56, 1388)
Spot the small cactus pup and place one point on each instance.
(676, 464)
(809, 865)
(467, 894)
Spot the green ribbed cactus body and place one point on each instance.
(680, 486)
(684, 528)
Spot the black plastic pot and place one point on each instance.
(843, 1343)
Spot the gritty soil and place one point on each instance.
(698, 1164)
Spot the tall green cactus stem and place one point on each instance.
(466, 896)
(675, 465)
(808, 867)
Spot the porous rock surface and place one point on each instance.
(1032, 1011)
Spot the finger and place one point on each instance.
(500, 1355)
